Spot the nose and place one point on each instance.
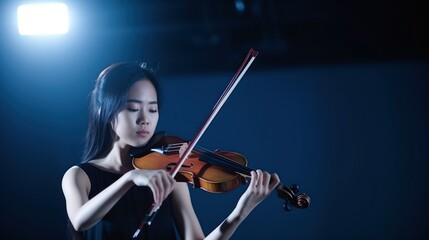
(143, 122)
(143, 119)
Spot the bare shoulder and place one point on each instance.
(75, 177)
(76, 186)
(74, 172)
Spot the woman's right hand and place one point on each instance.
(159, 181)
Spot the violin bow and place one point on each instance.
(250, 57)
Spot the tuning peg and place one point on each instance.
(294, 188)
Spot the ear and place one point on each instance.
(113, 124)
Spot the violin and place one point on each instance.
(213, 171)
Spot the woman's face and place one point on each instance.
(136, 123)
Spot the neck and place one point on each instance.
(118, 159)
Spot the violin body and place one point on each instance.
(213, 171)
(200, 174)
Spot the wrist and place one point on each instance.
(128, 178)
(239, 213)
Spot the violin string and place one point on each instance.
(212, 158)
(173, 146)
(222, 161)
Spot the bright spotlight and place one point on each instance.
(43, 19)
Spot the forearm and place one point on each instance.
(228, 227)
(98, 206)
(260, 186)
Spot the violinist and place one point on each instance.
(107, 197)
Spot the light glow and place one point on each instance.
(43, 19)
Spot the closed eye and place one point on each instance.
(133, 109)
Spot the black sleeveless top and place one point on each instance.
(125, 217)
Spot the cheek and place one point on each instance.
(155, 119)
(121, 122)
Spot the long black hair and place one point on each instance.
(108, 98)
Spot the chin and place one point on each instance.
(140, 143)
(137, 145)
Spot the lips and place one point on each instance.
(142, 133)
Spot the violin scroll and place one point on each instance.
(291, 198)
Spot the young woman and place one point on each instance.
(107, 198)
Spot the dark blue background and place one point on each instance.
(352, 134)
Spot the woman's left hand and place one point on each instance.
(261, 185)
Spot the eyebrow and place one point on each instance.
(138, 101)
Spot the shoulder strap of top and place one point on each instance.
(88, 168)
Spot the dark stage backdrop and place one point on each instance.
(353, 136)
